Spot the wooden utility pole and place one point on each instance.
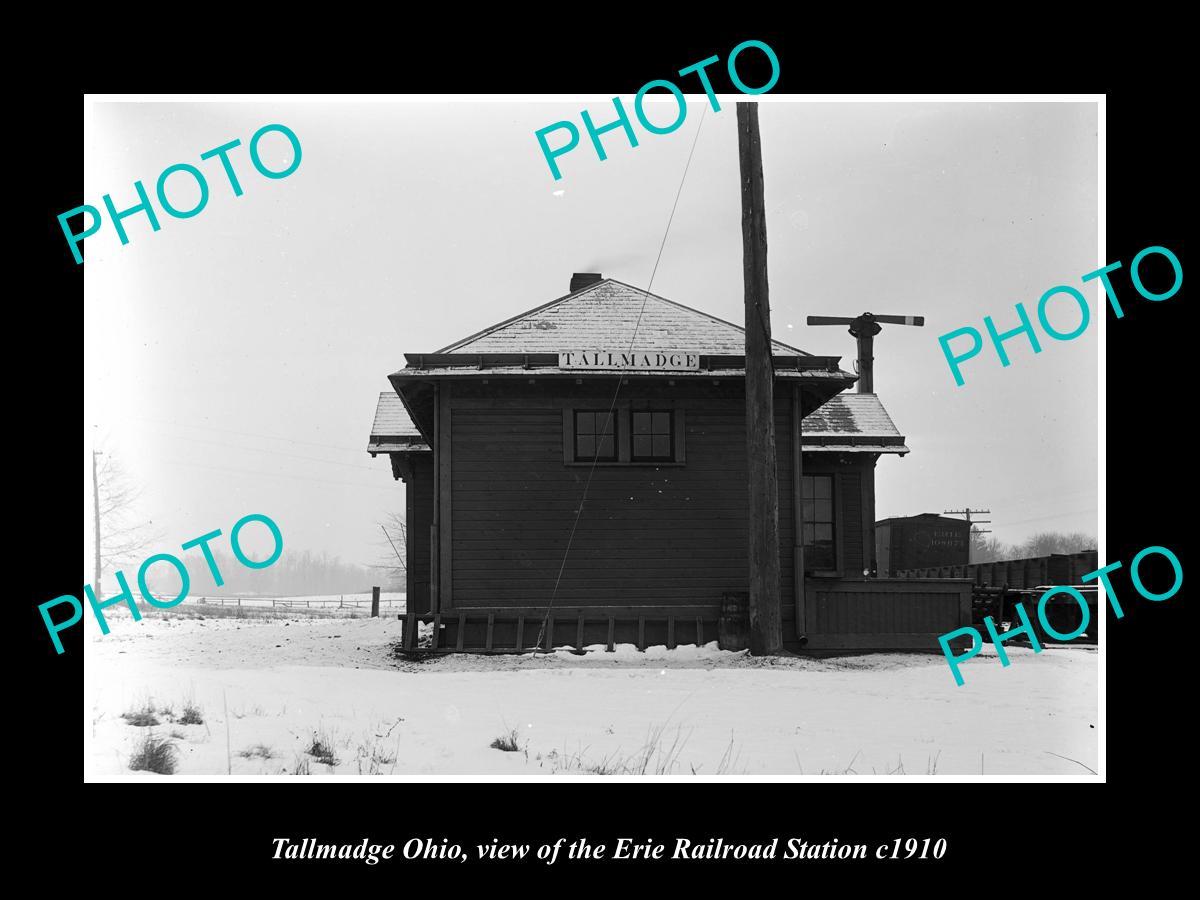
(96, 513)
(766, 627)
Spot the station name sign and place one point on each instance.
(654, 360)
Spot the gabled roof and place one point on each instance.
(604, 315)
(852, 423)
(848, 423)
(393, 428)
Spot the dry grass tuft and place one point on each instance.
(156, 755)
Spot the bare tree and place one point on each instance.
(122, 534)
(1041, 544)
(1046, 542)
(393, 551)
(979, 547)
(985, 549)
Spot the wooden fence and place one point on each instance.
(296, 602)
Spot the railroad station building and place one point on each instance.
(497, 435)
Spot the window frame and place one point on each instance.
(633, 435)
(622, 433)
(596, 436)
(835, 511)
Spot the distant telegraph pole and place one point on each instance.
(967, 512)
(766, 626)
(971, 532)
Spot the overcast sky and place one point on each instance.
(234, 358)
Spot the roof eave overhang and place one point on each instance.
(386, 444)
(865, 447)
(418, 403)
(708, 361)
(817, 387)
(819, 377)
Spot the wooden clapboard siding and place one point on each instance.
(419, 517)
(665, 535)
(445, 453)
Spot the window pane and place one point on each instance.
(604, 422)
(641, 423)
(585, 446)
(808, 533)
(806, 511)
(824, 532)
(606, 447)
(824, 486)
(662, 446)
(820, 557)
(824, 511)
(662, 423)
(806, 487)
(641, 445)
(585, 423)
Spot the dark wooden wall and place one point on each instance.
(854, 489)
(649, 534)
(418, 517)
(657, 544)
(883, 613)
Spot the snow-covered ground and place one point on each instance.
(266, 688)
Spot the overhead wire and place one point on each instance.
(608, 419)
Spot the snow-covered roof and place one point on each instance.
(852, 423)
(604, 315)
(393, 428)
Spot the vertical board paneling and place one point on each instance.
(878, 607)
(419, 503)
(851, 526)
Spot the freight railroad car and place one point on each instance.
(997, 586)
(911, 542)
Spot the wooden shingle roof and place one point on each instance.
(604, 315)
(393, 428)
(851, 423)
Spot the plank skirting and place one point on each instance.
(840, 615)
(497, 631)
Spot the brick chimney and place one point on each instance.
(580, 280)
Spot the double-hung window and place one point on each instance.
(653, 436)
(817, 511)
(595, 435)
